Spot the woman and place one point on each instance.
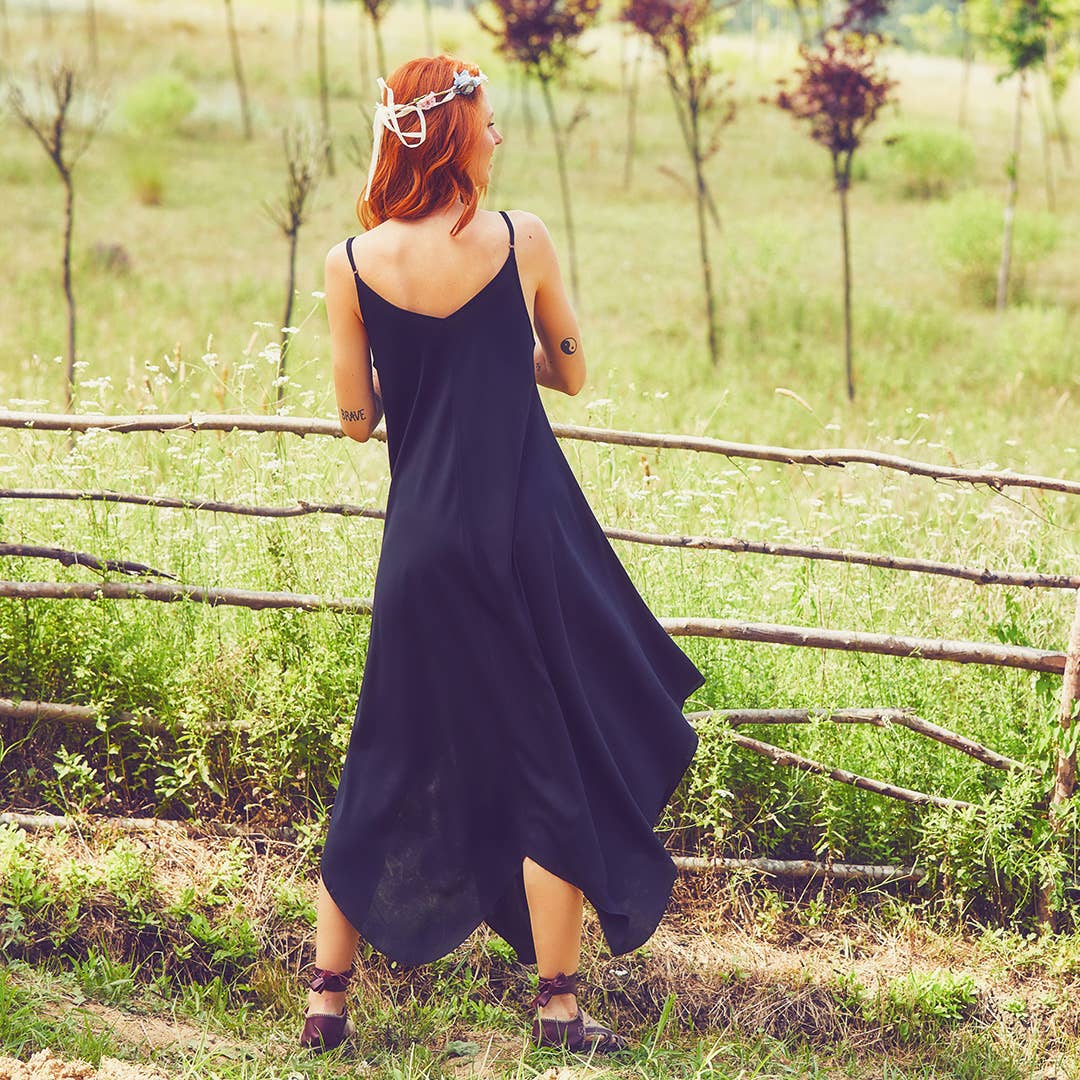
(519, 727)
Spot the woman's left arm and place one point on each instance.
(359, 398)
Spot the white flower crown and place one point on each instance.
(388, 114)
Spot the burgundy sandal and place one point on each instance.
(324, 1031)
(573, 1034)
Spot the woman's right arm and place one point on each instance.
(358, 401)
(558, 358)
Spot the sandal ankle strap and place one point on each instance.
(333, 981)
(550, 985)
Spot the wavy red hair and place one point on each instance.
(412, 181)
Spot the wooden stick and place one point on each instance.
(1065, 763)
(876, 717)
(80, 558)
(803, 868)
(40, 822)
(783, 454)
(959, 652)
(118, 590)
(785, 757)
(776, 867)
(197, 502)
(29, 711)
(737, 545)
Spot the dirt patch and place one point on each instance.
(44, 1065)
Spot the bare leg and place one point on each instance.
(335, 948)
(555, 911)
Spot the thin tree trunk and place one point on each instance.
(1048, 164)
(286, 336)
(1010, 204)
(69, 296)
(324, 91)
(700, 203)
(631, 113)
(846, 245)
(5, 29)
(966, 52)
(91, 32)
(429, 28)
(1061, 132)
(380, 52)
(46, 18)
(298, 37)
(564, 182)
(238, 70)
(363, 56)
(526, 106)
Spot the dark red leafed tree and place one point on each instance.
(839, 90)
(680, 31)
(542, 36)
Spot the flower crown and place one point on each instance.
(388, 114)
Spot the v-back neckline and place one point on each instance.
(461, 307)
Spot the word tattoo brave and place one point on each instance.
(352, 414)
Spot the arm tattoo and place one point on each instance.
(568, 346)
(352, 414)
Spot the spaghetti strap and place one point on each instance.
(348, 251)
(509, 225)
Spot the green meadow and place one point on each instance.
(252, 710)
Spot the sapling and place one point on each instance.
(839, 90)
(541, 37)
(680, 31)
(65, 144)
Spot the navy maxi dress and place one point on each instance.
(519, 698)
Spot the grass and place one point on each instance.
(191, 326)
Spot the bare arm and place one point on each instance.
(558, 359)
(356, 386)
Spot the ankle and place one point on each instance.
(562, 1010)
(327, 1001)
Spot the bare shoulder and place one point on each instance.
(529, 228)
(532, 239)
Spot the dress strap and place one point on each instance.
(509, 225)
(352, 261)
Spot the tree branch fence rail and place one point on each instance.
(982, 653)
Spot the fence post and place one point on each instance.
(1065, 768)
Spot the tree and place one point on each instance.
(238, 70)
(541, 36)
(63, 83)
(1019, 33)
(324, 90)
(839, 90)
(680, 31)
(376, 10)
(305, 156)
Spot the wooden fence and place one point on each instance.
(1065, 664)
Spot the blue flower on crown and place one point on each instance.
(465, 82)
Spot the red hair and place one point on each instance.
(412, 181)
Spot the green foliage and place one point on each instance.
(993, 859)
(916, 1007)
(146, 174)
(968, 232)
(158, 105)
(928, 162)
